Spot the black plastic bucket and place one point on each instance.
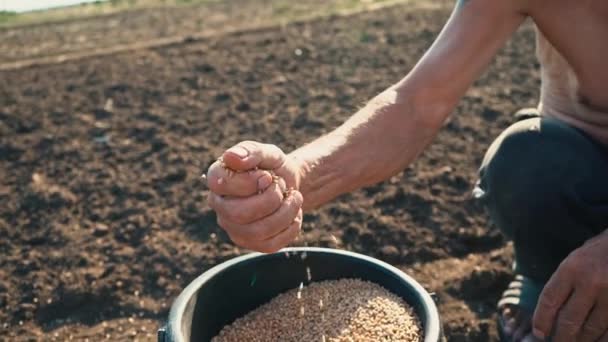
(237, 286)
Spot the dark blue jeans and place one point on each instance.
(545, 184)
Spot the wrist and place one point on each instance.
(299, 168)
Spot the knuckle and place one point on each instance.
(292, 204)
(569, 324)
(297, 222)
(274, 197)
(298, 199)
(295, 202)
(573, 264)
(213, 168)
(551, 302)
(251, 176)
(249, 145)
(212, 174)
(548, 302)
(539, 325)
(596, 281)
(275, 149)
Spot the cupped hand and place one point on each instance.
(254, 193)
(574, 304)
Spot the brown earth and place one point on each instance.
(125, 27)
(103, 218)
(151, 25)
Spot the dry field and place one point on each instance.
(103, 218)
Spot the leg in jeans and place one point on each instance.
(546, 187)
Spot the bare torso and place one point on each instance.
(572, 46)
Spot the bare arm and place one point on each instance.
(389, 133)
(380, 140)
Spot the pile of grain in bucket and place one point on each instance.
(328, 311)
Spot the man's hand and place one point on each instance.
(574, 304)
(254, 193)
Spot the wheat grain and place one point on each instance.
(331, 311)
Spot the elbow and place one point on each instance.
(428, 106)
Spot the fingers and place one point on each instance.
(226, 183)
(596, 324)
(249, 155)
(267, 227)
(510, 319)
(524, 328)
(573, 314)
(553, 296)
(244, 210)
(276, 242)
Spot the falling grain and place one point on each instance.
(300, 290)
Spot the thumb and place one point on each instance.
(248, 155)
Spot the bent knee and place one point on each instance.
(526, 168)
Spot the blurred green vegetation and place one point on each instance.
(282, 10)
(7, 16)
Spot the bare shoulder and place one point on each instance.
(466, 45)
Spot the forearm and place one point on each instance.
(377, 142)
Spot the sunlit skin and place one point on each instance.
(385, 136)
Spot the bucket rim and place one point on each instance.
(432, 328)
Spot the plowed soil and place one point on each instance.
(103, 218)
